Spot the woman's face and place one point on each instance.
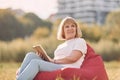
(69, 30)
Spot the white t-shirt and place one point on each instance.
(67, 47)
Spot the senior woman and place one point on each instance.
(70, 53)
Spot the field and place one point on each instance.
(8, 70)
(113, 70)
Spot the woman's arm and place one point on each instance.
(73, 57)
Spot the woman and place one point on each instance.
(71, 53)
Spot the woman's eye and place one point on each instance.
(73, 25)
(66, 26)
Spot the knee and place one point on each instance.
(34, 62)
(30, 54)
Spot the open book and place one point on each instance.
(39, 49)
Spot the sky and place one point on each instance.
(42, 8)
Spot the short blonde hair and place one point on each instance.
(60, 33)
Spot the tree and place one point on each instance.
(35, 22)
(10, 27)
(113, 26)
(113, 19)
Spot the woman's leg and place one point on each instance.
(29, 56)
(35, 66)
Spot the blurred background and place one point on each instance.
(24, 23)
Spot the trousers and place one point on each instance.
(32, 64)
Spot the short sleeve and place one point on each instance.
(80, 44)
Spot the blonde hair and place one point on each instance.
(60, 33)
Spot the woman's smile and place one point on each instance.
(70, 30)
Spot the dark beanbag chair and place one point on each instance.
(91, 69)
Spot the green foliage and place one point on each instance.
(14, 50)
(104, 39)
(41, 32)
(92, 33)
(37, 21)
(113, 19)
(10, 27)
(112, 33)
(109, 50)
(31, 22)
(113, 26)
(28, 25)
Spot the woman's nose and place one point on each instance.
(70, 27)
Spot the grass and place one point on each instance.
(8, 70)
(113, 70)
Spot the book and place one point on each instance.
(40, 50)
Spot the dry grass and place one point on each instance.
(113, 70)
(8, 70)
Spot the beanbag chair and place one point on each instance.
(91, 69)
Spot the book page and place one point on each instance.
(41, 51)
